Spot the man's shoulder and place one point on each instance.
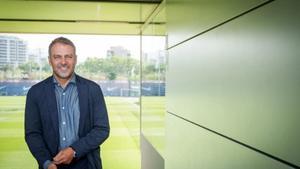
(86, 81)
(40, 85)
(38, 88)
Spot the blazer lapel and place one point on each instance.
(83, 103)
(52, 106)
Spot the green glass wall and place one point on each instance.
(233, 84)
(153, 68)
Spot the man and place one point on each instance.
(66, 119)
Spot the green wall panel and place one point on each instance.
(191, 147)
(73, 17)
(71, 10)
(69, 28)
(242, 79)
(188, 18)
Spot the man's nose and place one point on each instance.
(63, 60)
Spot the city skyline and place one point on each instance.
(86, 45)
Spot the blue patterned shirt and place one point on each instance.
(68, 112)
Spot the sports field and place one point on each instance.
(120, 151)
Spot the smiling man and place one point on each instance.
(66, 119)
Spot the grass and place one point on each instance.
(120, 151)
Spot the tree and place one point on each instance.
(119, 65)
(45, 66)
(6, 68)
(28, 67)
(112, 67)
(111, 76)
(92, 65)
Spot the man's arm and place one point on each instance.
(100, 123)
(33, 131)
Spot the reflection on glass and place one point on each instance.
(111, 61)
(153, 80)
(153, 90)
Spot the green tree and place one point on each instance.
(112, 67)
(111, 75)
(28, 67)
(45, 66)
(121, 66)
(93, 65)
(6, 68)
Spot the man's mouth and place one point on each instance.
(63, 68)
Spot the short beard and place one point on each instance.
(63, 75)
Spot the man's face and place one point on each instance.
(62, 60)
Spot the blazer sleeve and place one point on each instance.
(33, 130)
(99, 124)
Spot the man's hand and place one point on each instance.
(52, 166)
(65, 156)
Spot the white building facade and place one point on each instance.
(13, 51)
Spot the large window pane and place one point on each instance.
(111, 61)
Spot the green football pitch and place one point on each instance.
(120, 151)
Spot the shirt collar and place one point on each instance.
(72, 80)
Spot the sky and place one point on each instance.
(94, 45)
(86, 45)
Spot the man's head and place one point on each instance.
(62, 57)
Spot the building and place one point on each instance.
(117, 51)
(13, 51)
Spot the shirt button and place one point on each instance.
(64, 123)
(64, 93)
(64, 138)
(63, 107)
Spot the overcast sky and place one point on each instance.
(93, 45)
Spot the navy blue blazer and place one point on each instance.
(41, 122)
